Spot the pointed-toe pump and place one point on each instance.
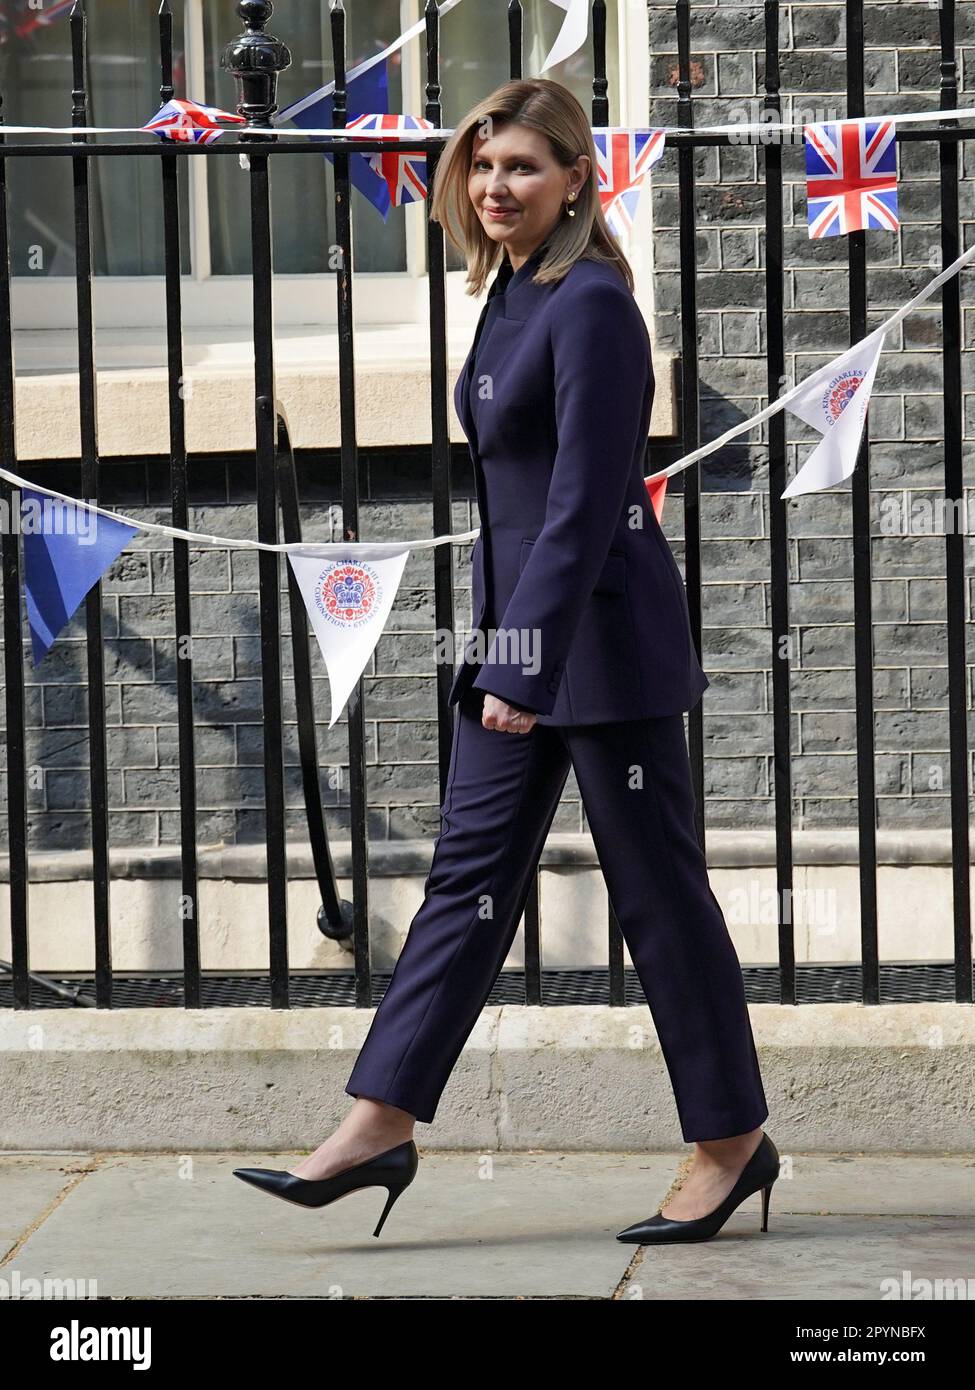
(759, 1173)
(393, 1169)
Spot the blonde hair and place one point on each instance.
(551, 109)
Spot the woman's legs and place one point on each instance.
(503, 790)
(502, 794)
(635, 781)
(369, 1128)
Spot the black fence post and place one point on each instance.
(254, 59)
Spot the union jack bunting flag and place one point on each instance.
(367, 91)
(190, 121)
(404, 173)
(50, 12)
(20, 22)
(623, 158)
(851, 177)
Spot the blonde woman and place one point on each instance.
(587, 661)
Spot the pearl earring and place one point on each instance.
(571, 211)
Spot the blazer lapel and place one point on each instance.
(516, 307)
(462, 390)
(514, 311)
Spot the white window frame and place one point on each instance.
(381, 298)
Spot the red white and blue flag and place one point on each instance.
(368, 91)
(21, 21)
(190, 121)
(623, 157)
(851, 177)
(403, 171)
(48, 13)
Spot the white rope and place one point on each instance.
(444, 132)
(781, 402)
(328, 550)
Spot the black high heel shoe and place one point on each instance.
(393, 1169)
(760, 1172)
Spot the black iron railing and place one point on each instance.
(255, 60)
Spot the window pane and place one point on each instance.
(303, 196)
(474, 60)
(123, 84)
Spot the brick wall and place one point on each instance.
(906, 417)
(400, 693)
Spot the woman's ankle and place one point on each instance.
(727, 1153)
(369, 1115)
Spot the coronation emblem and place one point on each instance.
(840, 392)
(347, 593)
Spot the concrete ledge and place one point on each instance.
(725, 848)
(914, 903)
(838, 1077)
(219, 394)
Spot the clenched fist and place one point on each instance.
(504, 717)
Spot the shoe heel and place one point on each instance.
(393, 1192)
(766, 1194)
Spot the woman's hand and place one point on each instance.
(505, 718)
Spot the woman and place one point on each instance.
(591, 665)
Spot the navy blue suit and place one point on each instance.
(556, 408)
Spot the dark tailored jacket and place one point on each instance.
(570, 555)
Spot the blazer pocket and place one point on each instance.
(612, 580)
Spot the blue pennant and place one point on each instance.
(67, 549)
(366, 95)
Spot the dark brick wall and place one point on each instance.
(906, 416)
(399, 686)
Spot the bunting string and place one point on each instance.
(325, 550)
(444, 132)
(781, 402)
(348, 587)
(316, 96)
(381, 549)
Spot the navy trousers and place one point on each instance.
(502, 793)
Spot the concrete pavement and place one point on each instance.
(482, 1224)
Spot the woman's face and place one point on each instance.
(518, 187)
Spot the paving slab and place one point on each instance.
(484, 1225)
(30, 1184)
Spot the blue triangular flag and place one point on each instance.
(366, 94)
(67, 549)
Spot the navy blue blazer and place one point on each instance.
(570, 560)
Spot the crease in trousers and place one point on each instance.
(502, 794)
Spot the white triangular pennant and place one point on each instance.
(835, 401)
(572, 35)
(348, 601)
